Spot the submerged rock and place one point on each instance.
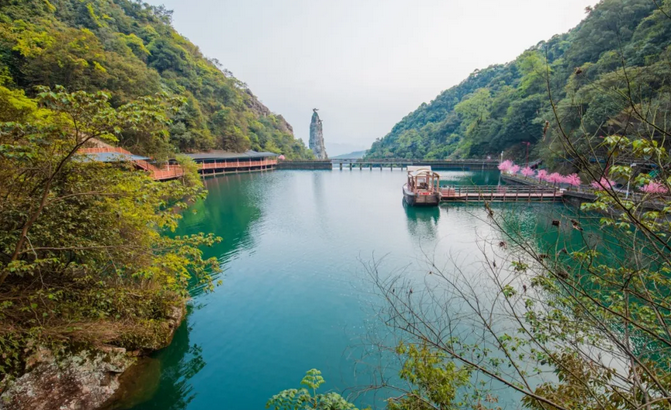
(317, 137)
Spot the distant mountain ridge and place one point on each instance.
(131, 50)
(504, 107)
(351, 155)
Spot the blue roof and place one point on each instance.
(113, 157)
(202, 156)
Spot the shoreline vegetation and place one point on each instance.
(88, 269)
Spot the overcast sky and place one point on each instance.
(364, 63)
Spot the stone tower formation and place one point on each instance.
(317, 136)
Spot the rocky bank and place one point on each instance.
(85, 380)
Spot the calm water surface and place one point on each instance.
(295, 293)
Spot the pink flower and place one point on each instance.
(514, 169)
(506, 165)
(528, 172)
(573, 180)
(281, 158)
(603, 183)
(542, 175)
(655, 188)
(555, 178)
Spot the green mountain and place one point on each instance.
(615, 59)
(130, 50)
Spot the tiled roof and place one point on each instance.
(201, 156)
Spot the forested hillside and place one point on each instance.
(613, 64)
(130, 50)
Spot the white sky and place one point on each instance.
(364, 63)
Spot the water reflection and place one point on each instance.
(422, 221)
(167, 377)
(231, 209)
(318, 190)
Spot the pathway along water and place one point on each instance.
(295, 295)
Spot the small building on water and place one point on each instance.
(209, 163)
(224, 162)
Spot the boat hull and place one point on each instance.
(420, 198)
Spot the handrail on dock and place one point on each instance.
(499, 193)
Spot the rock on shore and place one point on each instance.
(82, 381)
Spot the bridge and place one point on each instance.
(391, 163)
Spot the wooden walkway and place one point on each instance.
(500, 193)
(159, 174)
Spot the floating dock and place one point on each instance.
(500, 193)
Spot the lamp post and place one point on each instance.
(629, 180)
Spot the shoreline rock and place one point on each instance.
(85, 380)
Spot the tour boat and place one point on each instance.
(422, 188)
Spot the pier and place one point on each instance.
(500, 193)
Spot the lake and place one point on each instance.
(295, 293)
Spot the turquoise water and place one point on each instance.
(295, 293)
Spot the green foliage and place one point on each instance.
(497, 108)
(307, 397)
(85, 251)
(435, 378)
(130, 49)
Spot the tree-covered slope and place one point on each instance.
(131, 50)
(617, 57)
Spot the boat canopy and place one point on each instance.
(422, 178)
(415, 170)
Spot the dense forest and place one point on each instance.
(618, 54)
(130, 50)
